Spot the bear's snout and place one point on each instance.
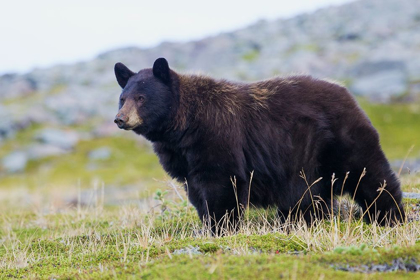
(121, 120)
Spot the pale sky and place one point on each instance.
(42, 33)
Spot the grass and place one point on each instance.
(397, 125)
(131, 162)
(165, 240)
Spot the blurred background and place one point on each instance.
(58, 94)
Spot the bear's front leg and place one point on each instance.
(215, 198)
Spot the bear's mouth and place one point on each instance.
(127, 127)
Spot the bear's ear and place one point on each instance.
(122, 73)
(161, 70)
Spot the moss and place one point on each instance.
(268, 243)
(209, 247)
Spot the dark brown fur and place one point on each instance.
(217, 131)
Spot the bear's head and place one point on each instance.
(148, 98)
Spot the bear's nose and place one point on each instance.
(121, 120)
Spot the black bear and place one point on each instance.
(213, 134)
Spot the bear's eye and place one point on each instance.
(122, 101)
(140, 99)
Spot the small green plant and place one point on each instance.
(170, 208)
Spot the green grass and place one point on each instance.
(398, 126)
(124, 242)
(130, 163)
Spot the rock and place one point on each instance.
(76, 104)
(39, 151)
(102, 153)
(59, 138)
(411, 195)
(382, 86)
(7, 128)
(411, 165)
(15, 117)
(13, 85)
(380, 80)
(15, 162)
(374, 67)
(35, 115)
(413, 69)
(190, 250)
(405, 265)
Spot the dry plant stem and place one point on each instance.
(208, 215)
(235, 189)
(405, 159)
(398, 207)
(381, 189)
(358, 183)
(303, 176)
(354, 194)
(249, 191)
(333, 180)
(341, 193)
(172, 185)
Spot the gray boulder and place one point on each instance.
(380, 80)
(374, 67)
(411, 195)
(39, 151)
(60, 138)
(7, 122)
(15, 162)
(102, 153)
(411, 165)
(13, 85)
(381, 86)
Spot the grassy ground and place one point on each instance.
(71, 217)
(165, 240)
(397, 125)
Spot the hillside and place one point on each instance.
(371, 46)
